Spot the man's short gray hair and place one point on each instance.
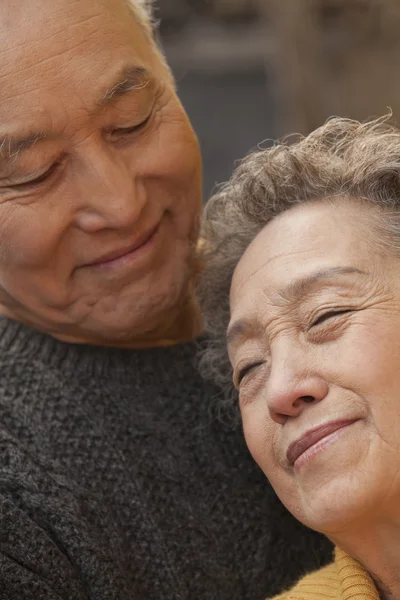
(143, 11)
(343, 158)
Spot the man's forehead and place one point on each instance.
(53, 47)
(29, 27)
(19, 136)
(71, 58)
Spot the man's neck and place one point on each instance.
(182, 323)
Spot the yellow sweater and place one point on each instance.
(344, 579)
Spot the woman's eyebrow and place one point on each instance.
(235, 331)
(243, 328)
(292, 293)
(296, 289)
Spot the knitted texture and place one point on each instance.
(117, 484)
(344, 579)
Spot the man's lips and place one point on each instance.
(298, 447)
(121, 252)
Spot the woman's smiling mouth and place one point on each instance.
(314, 441)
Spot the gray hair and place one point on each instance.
(342, 158)
(142, 11)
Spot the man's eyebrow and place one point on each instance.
(11, 147)
(296, 289)
(130, 78)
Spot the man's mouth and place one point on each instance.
(119, 253)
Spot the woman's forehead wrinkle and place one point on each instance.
(254, 252)
(252, 256)
(296, 289)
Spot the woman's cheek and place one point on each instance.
(257, 432)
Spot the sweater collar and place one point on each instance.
(355, 581)
(18, 341)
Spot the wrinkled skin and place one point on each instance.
(315, 339)
(109, 165)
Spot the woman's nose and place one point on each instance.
(291, 387)
(111, 197)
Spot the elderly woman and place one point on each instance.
(115, 482)
(304, 245)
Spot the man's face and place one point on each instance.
(100, 175)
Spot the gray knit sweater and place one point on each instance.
(115, 482)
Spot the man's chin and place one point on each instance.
(158, 311)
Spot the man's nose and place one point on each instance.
(110, 194)
(293, 384)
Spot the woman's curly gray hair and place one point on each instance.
(341, 158)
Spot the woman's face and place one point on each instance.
(314, 340)
(100, 174)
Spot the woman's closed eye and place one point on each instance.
(245, 370)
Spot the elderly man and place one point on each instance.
(115, 481)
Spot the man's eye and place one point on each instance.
(37, 180)
(329, 315)
(129, 130)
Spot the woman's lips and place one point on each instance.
(312, 437)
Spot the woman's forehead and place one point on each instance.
(308, 238)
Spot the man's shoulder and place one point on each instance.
(318, 585)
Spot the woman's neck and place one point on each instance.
(377, 549)
(384, 591)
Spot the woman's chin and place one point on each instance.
(334, 485)
(338, 505)
(328, 518)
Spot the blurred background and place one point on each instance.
(249, 71)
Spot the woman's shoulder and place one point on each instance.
(319, 585)
(345, 578)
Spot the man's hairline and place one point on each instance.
(143, 16)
